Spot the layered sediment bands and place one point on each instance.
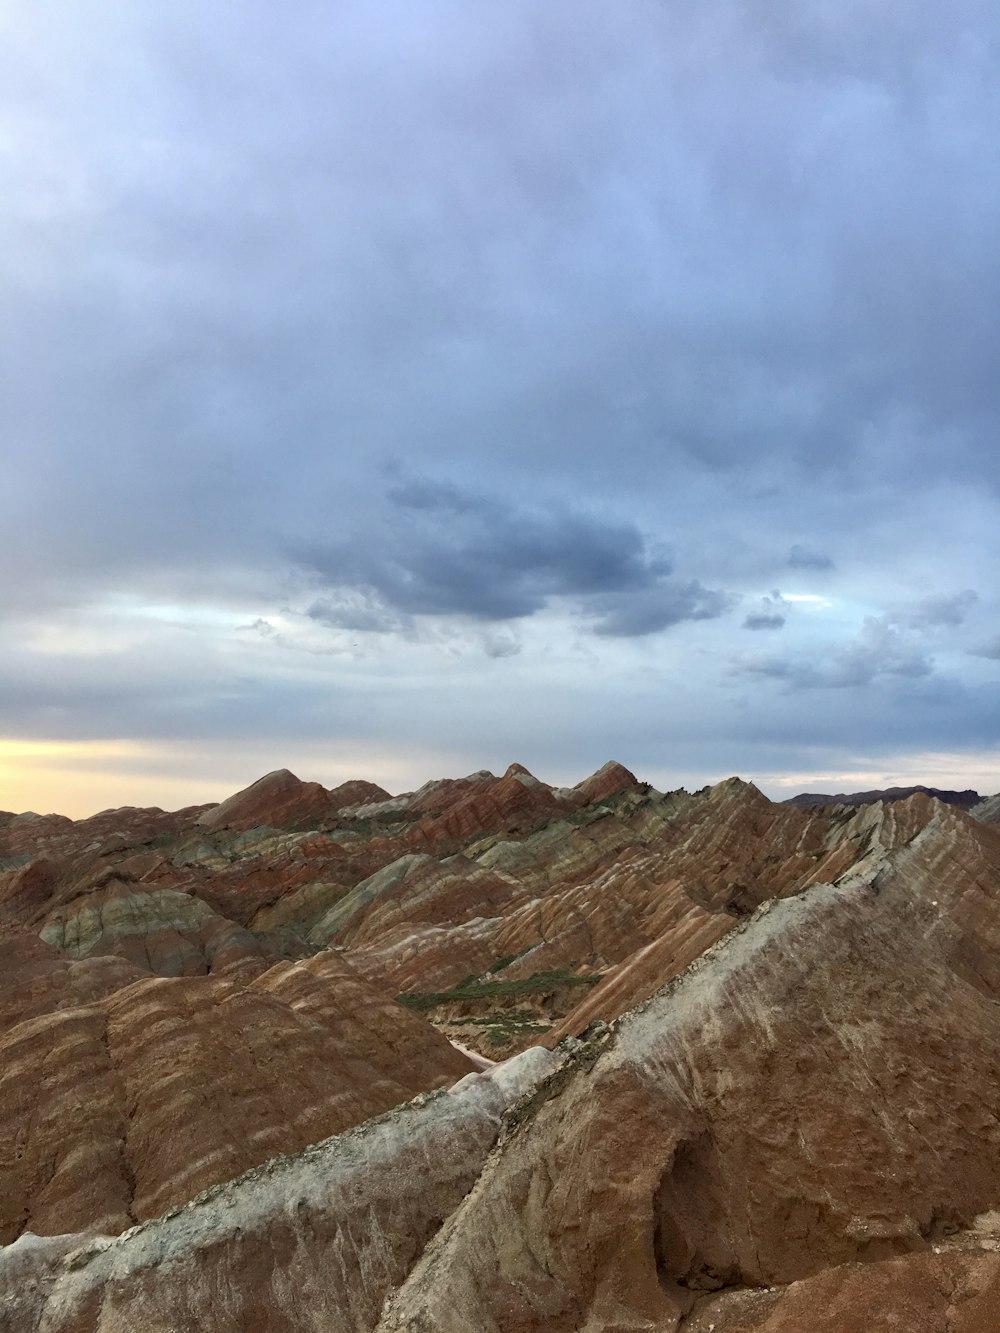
(36, 978)
(164, 931)
(116, 1110)
(281, 800)
(632, 893)
(314, 1241)
(609, 780)
(56, 836)
(820, 1087)
(790, 1107)
(743, 862)
(268, 880)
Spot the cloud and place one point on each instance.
(649, 610)
(770, 613)
(990, 649)
(803, 557)
(880, 649)
(949, 609)
(500, 645)
(763, 620)
(240, 276)
(893, 644)
(446, 551)
(356, 613)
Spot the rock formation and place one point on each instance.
(988, 810)
(754, 1085)
(317, 1240)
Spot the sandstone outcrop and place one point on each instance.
(821, 1087)
(315, 1240)
(956, 1291)
(758, 1088)
(118, 1108)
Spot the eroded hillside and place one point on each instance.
(760, 1048)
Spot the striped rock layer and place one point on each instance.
(755, 1081)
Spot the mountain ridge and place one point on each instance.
(966, 799)
(716, 1045)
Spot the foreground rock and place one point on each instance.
(819, 1088)
(955, 1292)
(313, 1241)
(117, 1109)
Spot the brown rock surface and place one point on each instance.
(281, 800)
(610, 779)
(314, 1241)
(953, 1292)
(820, 1087)
(37, 978)
(632, 894)
(794, 1115)
(515, 803)
(117, 1109)
(57, 836)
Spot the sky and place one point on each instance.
(394, 391)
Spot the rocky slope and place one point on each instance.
(125, 1103)
(758, 1084)
(307, 1242)
(822, 1087)
(988, 810)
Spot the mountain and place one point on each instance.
(498, 1056)
(966, 800)
(988, 810)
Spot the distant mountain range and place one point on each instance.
(966, 800)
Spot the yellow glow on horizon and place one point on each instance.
(70, 777)
(16, 750)
(946, 771)
(81, 778)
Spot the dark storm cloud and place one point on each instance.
(989, 650)
(447, 551)
(649, 610)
